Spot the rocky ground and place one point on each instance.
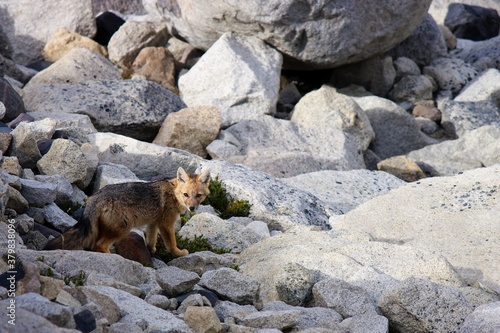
(366, 140)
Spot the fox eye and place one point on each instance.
(198, 195)
(186, 195)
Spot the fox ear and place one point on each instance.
(182, 175)
(204, 175)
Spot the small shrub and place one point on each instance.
(223, 203)
(77, 280)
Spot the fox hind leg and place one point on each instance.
(152, 237)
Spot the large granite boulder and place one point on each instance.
(309, 34)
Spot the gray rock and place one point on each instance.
(450, 73)
(144, 159)
(475, 149)
(102, 306)
(231, 285)
(159, 301)
(15, 201)
(100, 279)
(66, 121)
(78, 65)
(405, 66)
(38, 194)
(200, 262)
(273, 201)
(375, 74)
(460, 118)
(28, 39)
(412, 89)
(27, 321)
(280, 320)
(63, 189)
(396, 131)
(294, 284)
(5, 231)
(57, 314)
(481, 54)
(57, 218)
(485, 318)
(425, 43)
(111, 173)
(484, 87)
(369, 322)
(127, 42)
(137, 310)
(326, 108)
(247, 81)
(344, 298)
(228, 309)
(193, 300)
(345, 190)
(419, 305)
(24, 138)
(306, 34)
(221, 233)
(176, 281)
(135, 108)
(284, 149)
(66, 159)
(439, 221)
(310, 317)
(124, 270)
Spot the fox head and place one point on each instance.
(192, 189)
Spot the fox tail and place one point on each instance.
(78, 237)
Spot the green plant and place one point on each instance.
(198, 244)
(77, 280)
(185, 218)
(224, 204)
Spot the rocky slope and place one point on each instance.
(373, 181)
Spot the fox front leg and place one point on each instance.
(167, 232)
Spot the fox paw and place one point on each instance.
(181, 253)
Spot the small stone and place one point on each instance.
(24, 141)
(156, 64)
(57, 218)
(280, 320)
(176, 281)
(402, 167)
(191, 129)
(202, 319)
(159, 301)
(425, 111)
(63, 40)
(10, 164)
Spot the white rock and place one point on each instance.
(326, 108)
(247, 73)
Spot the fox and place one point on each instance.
(113, 211)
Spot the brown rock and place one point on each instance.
(64, 40)
(132, 247)
(402, 168)
(156, 64)
(51, 287)
(202, 319)
(10, 164)
(191, 129)
(5, 140)
(428, 112)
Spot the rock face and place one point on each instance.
(310, 35)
